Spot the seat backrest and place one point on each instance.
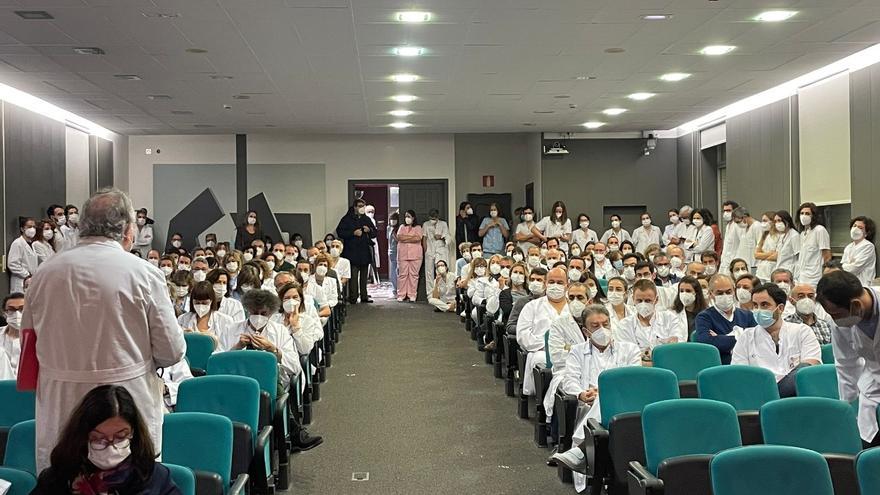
(827, 426)
(817, 381)
(868, 470)
(746, 388)
(631, 388)
(199, 348)
(199, 441)
(21, 451)
(772, 469)
(17, 406)
(22, 481)
(827, 354)
(260, 365)
(183, 477)
(680, 427)
(236, 397)
(686, 359)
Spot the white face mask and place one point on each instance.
(806, 220)
(614, 247)
(727, 216)
(153, 261)
(493, 213)
(167, 270)
(574, 274)
(73, 217)
(60, 221)
(470, 211)
(555, 292)
(48, 234)
(528, 217)
(30, 232)
(252, 220)
(298, 243)
(408, 220)
(765, 226)
(646, 222)
(710, 269)
(290, 259)
(785, 287)
(739, 273)
(14, 319)
(232, 266)
(517, 278)
(259, 251)
(673, 219)
(600, 257)
(320, 270)
(698, 222)
(534, 260)
(110, 457)
(258, 321)
(686, 221)
(480, 271)
(199, 275)
(576, 308)
(517, 257)
(270, 265)
(393, 222)
(743, 296)
(505, 272)
(371, 213)
(616, 298)
(601, 337)
(536, 287)
(291, 305)
(278, 254)
(663, 270)
(305, 275)
(855, 234)
(141, 222)
(645, 309)
(675, 262)
(494, 268)
(629, 273)
(221, 253)
(585, 225)
(441, 270)
(182, 291)
(592, 291)
(467, 256)
(182, 267)
(334, 252)
(219, 290)
(202, 309)
(724, 302)
(805, 306)
(780, 226)
(176, 243)
(247, 257)
(687, 298)
(210, 244)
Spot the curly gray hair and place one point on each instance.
(257, 299)
(107, 213)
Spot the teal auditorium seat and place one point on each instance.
(17, 407)
(617, 439)
(22, 481)
(868, 470)
(827, 354)
(681, 436)
(21, 447)
(770, 469)
(183, 477)
(199, 348)
(825, 426)
(203, 443)
(686, 359)
(746, 388)
(817, 381)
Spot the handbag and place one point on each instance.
(28, 365)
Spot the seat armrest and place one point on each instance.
(686, 474)
(596, 429)
(238, 488)
(641, 481)
(843, 472)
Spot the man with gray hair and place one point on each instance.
(101, 316)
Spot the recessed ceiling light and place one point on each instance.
(219, 77)
(613, 111)
(615, 50)
(34, 15)
(585, 78)
(543, 111)
(400, 125)
(404, 78)
(401, 113)
(593, 124)
(413, 16)
(196, 50)
(675, 76)
(158, 97)
(717, 49)
(775, 15)
(403, 98)
(656, 17)
(160, 15)
(408, 51)
(181, 112)
(203, 126)
(127, 77)
(241, 97)
(88, 50)
(640, 96)
(529, 124)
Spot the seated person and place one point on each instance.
(536, 286)
(304, 326)
(803, 297)
(564, 334)
(173, 376)
(316, 291)
(774, 344)
(105, 448)
(665, 294)
(720, 323)
(204, 314)
(515, 288)
(10, 335)
(583, 365)
(325, 280)
(650, 326)
(443, 295)
(536, 318)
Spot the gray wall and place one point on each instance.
(762, 153)
(865, 140)
(600, 173)
(506, 156)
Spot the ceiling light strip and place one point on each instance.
(43, 107)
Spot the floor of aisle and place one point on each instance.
(409, 400)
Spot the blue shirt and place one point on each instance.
(493, 241)
(712, 319)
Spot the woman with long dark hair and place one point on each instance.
(410, 252)
(105, 448)
(248, 232)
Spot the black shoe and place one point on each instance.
(437, 310)
(304, 441)
(353, 301)
(368, 300)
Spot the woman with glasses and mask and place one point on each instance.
(105, 448)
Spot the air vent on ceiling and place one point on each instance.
(34, 15)
(196, 50)
(241, 97)
(158, 97)
(160, 15)
(181, 112)
(127, 77)
(217, 77)
(88, 50)
(203, 126)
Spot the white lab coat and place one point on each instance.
(605, 269)
(748, 242)
(551, 228)
(446, 292)
(232, 308)
(11, 344)
(102, 316)
(755, 347)
(44, 251)
(698, 242)
(288, 366)
(664, 324)
(435, 249)
(330, 287)
(621, 235)
(615, 321)
(857, 358)
(21, 262)
(71, 236)
(766, 267)
(310, 331)
(810, 261)
(643, 238)
(144, 240)
(860, 259)
(564, 334)
(218, 324)
(787, 249)
(342, 269)
(581, 238)
(535, 320)
(729, 248)
(172, 377)
(6, 371)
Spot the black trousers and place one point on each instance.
(359, 279)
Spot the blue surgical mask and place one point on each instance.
(764, 317)
(618, 265)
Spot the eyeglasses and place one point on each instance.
(117, 442)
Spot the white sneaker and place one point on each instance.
(573, 459)
(463, 314)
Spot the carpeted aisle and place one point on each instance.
(410, 401)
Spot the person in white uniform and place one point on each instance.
(10, 335)
(669, 230)
(616, 230)
(534, 321)
(584, 234)
(774, 344)
(700, 238)
(815, 245)
(647, 234)
(860, 256)
(437, 243)
(650, 326)
(101, 316)
(144, 241)
(172, 377)
(555, 226)
(303, 325)
(788, 246)
(564, 333)
(204, 315)
(22, 260)
(855, 339)
(442, 296)
(766, 250)
(70, 228)
(750, 233)
(731, 236)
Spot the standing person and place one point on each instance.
(765, 252)
(702, 237)
(731, 235)
(144, 241)
(525, 238)
(815, 245)
(83, 339)
(583, 234)
(45, 244)
(555, 226)
(669, 230)
(437, 239)
(56, 214)
(409, 256)
(357, 232)
(22, 261)
(615, 231)
(467, 225)
(494, 230)
(788, 247)
(647, 234)
(750, 233)
(393, 220)
(70, 228)
(859, 256)
(370, 211)
(248, 232)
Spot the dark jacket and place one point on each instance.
(467, 229)
(243, 238)
(358, 250)
(711, 320)
(159, 483)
